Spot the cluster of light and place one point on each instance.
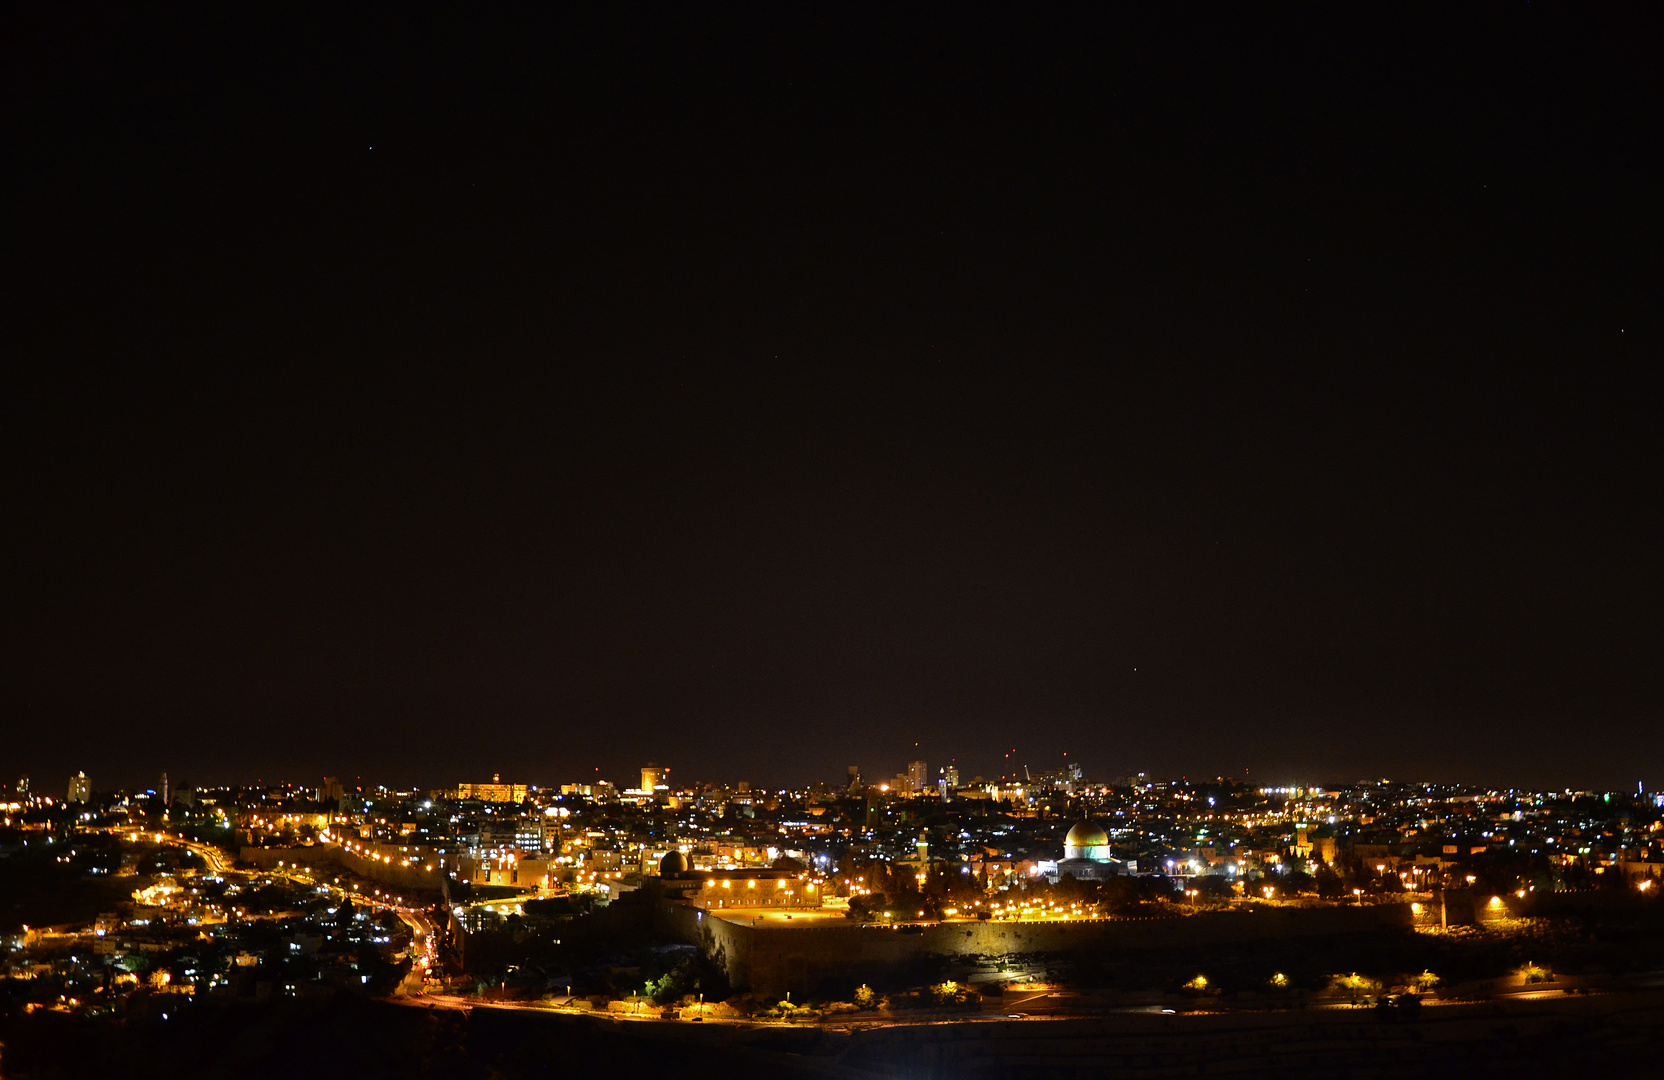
(1038, 909)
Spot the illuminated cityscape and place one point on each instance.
(309, 889)
(686, 541)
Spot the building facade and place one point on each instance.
(722, 889)
(494, 792)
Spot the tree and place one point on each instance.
(693, 974)
(866, 908)
(1212, 886)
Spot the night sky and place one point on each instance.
(412, 396)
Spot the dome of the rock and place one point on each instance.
(1086, 841)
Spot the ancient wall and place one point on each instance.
(322, 856)
(774, 959)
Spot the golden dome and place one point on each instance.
(1086, 835)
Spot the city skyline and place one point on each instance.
(883, 906)
(1033, 779)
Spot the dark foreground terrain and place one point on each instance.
(363, 1039)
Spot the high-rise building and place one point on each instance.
(330, 790)
(652, 776)
(80, 788)
(165, 791)
(918, 777)
(951, 775)
(23, 787)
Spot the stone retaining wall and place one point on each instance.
(774, 959)
(320, 856)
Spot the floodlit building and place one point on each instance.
(918, 777)
(494, 792)
(746, 888)
(1087, 855)
(80, 788)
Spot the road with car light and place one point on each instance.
(424, 938)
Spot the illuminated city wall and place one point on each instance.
(331, 855)
(774, 959)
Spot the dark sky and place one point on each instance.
(406, 395)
